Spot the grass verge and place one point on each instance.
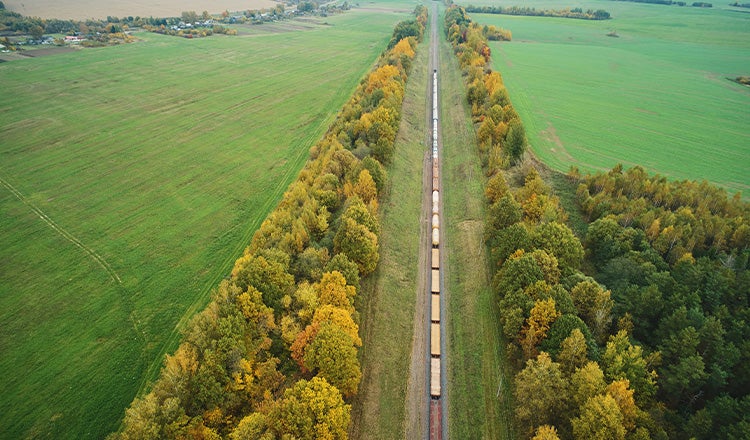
(387, 314)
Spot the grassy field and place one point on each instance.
(657, 96)
(388, 296)
(478, 396)
(131, 178)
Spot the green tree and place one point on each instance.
(559, 240)
(594, 306)
(684, 373)
(252, 427)
(600, 419)
(311, 410)
(523, 269)
(515, 140)
(505, 212)
(149, 417)
(358, 243)
(332, 355)
(506, 241)
(541, 393)
(587, 382)
(573, 352)
(268, 276)
(622, 360)
(36, 32)
(346, 267)
(561, 329)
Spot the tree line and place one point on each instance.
(274, 354)
(589, 14)
(670, 2)
(637, 331)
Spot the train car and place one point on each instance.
(435, 184)
(435, 281)
(435, 208)
(435, 237)
(435, 311)
(435, 196)
(435, 378)
(435, 258)
(435, 221)
(435, 340)
(436, 420)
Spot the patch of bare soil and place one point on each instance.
(83, 9)
(46, 52)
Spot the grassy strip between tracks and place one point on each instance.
(478, 397)
(388, 313)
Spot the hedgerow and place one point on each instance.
(274, 354)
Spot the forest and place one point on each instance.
(578, 13)
(274, 354)
(635, 329)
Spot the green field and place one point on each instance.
(131, 179)
(656, 96)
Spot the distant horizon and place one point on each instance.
(85, 9)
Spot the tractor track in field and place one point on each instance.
(63, 232)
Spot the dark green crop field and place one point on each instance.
(658, 94)
(131, 178)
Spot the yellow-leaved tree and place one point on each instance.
(541, 317)
(403, 47)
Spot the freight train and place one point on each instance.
(435, 417)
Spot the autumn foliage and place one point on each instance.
(274, 354)
(500, 133)
(555, 318)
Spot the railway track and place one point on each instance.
(436, 363)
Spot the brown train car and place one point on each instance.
(435, 308)
(435, 285)
(435, 340)
(435, 258)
